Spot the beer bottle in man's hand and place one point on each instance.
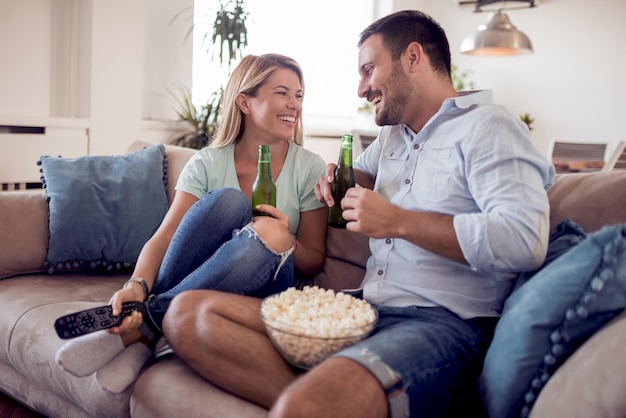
(263, 189)
(344, 179)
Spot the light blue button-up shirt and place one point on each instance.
(473, 160)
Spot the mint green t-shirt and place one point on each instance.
(211, 168)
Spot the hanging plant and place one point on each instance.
(230, 32)
(228, 36)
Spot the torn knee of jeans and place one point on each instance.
(252, 233)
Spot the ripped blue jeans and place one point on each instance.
(215, 247)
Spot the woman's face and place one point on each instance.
(274, 111)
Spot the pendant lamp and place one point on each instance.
(498, 37)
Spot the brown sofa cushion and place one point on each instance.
(592, 200)
(177, 157)
(346, 255)
(23, 232)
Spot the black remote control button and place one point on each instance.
(94, 319)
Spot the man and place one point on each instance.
(454, 200)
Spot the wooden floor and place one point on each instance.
(13, 409)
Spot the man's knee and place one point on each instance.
(179, 322)
(336, 387)
(290, 404)
(176, 314)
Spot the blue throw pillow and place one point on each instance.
(546, 319)
(103, 209)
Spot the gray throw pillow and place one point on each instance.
(103, 209)
(549, 316)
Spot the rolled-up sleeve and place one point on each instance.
(508, 180)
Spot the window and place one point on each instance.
(321, 35)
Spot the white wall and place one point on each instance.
(132, 52)
(573, 85)
(106, 62)
(25, 56)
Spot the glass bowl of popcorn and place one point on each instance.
(308, 325)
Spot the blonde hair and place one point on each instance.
(247, 77)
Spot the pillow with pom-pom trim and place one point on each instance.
(103, 209)
(549, 316)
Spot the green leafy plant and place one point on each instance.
(230, 32)
(228, 36)
(202, 122)
(528, 120)
(461, 80)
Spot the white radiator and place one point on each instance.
(22, 142)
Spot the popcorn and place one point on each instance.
(310, 324)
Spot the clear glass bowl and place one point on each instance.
(306, 347)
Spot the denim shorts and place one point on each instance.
(427, 359)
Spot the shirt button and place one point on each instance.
(388, 241)
(416, 146)
(380, 272)
(407, 181)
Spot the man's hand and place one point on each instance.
(370, 214)
(322, 188)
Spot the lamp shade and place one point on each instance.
(499, 37)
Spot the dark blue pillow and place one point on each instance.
(103, 209)
(548, 317)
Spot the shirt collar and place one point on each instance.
(467, 99)
(464, 100)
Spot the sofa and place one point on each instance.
(588, 384)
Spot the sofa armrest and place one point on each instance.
(23, 232)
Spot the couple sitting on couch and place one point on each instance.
(453, 198)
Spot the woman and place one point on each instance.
(209, 238)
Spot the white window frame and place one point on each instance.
(321, 37)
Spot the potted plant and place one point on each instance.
(228, 36)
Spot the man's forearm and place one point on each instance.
(431, 231)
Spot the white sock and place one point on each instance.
(123, 370)
(84, 355)
(162, 348)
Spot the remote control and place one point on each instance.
(94, 319)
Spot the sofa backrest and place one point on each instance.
(346, 255)
(177, 157)
(590, 199)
